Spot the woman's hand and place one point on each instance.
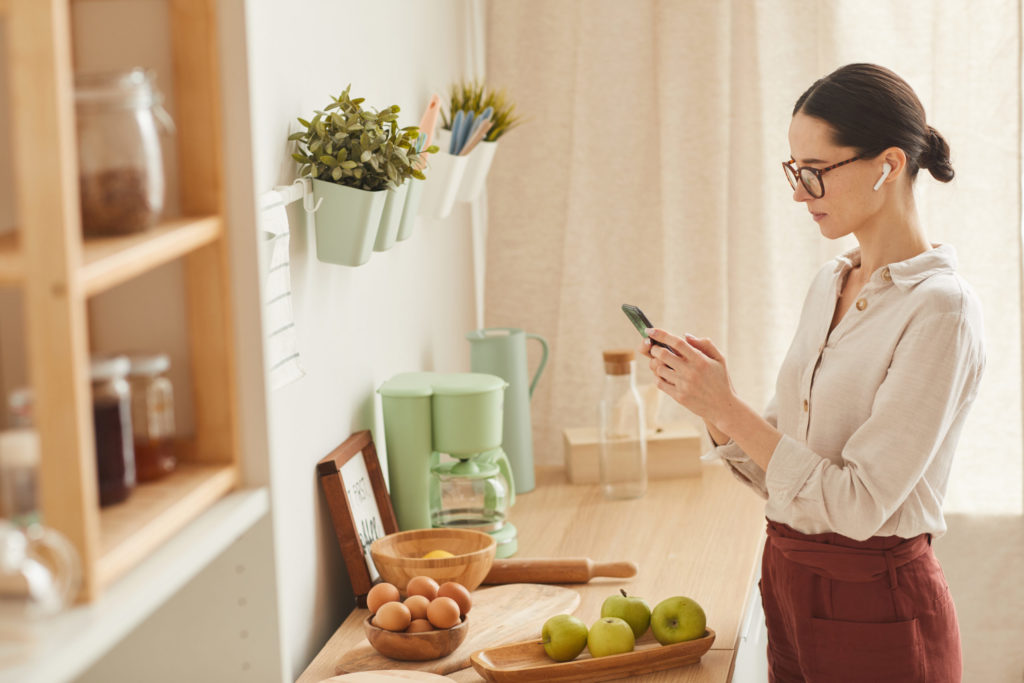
(694, 375)
(696, 378)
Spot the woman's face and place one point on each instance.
(848, 202)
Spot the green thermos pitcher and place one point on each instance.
(501, 351)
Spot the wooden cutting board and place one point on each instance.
(500, 614)
(390, 676)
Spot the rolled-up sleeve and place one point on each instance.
(931, 379)
(739, 463)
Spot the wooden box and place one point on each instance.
(672, 451)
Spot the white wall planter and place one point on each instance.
(475, 177)
(412, 206)
(346, 222)
(444, 174)
(391, 217)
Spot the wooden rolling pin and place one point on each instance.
(556, 570)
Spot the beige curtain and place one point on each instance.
(648, 172)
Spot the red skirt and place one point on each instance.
(842, 610)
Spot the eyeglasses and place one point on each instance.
(809, 177)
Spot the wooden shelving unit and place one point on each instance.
(11, 270)
(130, 532)
(107, 262)
(58, 272)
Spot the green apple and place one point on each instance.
(677, 619)
(631, 609)
(610, 636)
(564, 636)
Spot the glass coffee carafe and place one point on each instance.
(475, 493)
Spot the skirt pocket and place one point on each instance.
(856, 652)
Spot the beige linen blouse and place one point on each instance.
(871, 413)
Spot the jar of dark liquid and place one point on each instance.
(112, 420)
(152, 416)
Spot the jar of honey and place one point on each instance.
(152, 416)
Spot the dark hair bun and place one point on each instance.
(935, 157)
(871, 109)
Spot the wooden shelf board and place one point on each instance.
(67, 644)
(109, 261)
(130, 531)
(11, 266)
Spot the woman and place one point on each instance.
(854, 450)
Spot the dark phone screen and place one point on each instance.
(641, 323)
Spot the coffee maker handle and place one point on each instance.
(543, 359)
(506, 469)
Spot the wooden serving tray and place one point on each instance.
(526, 661)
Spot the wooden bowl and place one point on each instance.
(399, 556)
(416, 647)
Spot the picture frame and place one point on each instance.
(360, 506)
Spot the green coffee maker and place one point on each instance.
(446, 467)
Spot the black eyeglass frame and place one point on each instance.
(794, 173)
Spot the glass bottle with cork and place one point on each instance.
(623, 453)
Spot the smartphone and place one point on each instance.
(641, 323)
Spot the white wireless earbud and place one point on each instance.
(886, 170)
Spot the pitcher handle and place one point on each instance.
(543, 359)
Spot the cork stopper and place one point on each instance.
(616, 361)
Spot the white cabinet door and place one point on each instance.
(752, 651)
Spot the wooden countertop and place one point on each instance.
(694, 536)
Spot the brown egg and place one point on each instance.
(443, 612)
(393, 616)
(422, 585)
(457, 592)
(419, 626)
(379, 594)
(417, 605)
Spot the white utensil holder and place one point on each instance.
(475, 177)
(444, 175)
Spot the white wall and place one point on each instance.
(407, 309)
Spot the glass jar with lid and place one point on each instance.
(121, 172)
(19, 462)
(112, 420)
(19, 408)
(152, 415)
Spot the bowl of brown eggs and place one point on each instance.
(428, 623)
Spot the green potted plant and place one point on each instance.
(490, 108)
(359, 161)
